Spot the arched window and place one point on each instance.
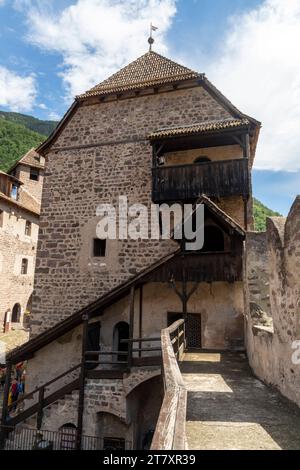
(121, 332)
(213, 239)
(68, 436)
(16, 314)
(202, 160)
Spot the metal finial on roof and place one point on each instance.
(151, 40)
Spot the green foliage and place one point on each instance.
(41, 127)
(15, 141)
(261, 213)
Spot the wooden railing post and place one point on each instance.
(85, 319)
(131, 327)
(40, 413)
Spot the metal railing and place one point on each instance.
(33, 439)
(170, 428)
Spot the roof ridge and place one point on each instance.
(147, 70)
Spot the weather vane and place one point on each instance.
(151, 40)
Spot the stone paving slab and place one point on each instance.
(229, 409)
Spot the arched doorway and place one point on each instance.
(121, 332)
(112, 432)
(16, 314)
(68, 436)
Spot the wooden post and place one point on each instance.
(5, 404)
(141, 318)
(131, 326)
(40, 413)
(245, 213)
(82, 383)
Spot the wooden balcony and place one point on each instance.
(214, 179)
(202, 267)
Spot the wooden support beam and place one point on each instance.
(245, 213)
(131, 325)
(85, 319)
(40, 412)
(141, 318)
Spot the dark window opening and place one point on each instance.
(121, 332)
(111, 443)
(213, 239)
(24, 267)
(93, 343)
(202, 160)
(1, 218)
(99, 249)
(16, 314)
(28, 228)
(34, 174)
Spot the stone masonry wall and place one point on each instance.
(78, 179)
(270, 348)
(16, 288)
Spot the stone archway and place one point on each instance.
(16, 314)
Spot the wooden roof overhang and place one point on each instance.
(18, 205)
(170, 140)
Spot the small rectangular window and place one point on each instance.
(28, 228)
(14, 192)
(34, 174)
(1, 218)
(99, 249)
(24, 267)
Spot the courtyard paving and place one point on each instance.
(229, 409)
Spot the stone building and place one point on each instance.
(273, 303)
(157, 132)
(20, 199)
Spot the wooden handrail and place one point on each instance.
(170, 429)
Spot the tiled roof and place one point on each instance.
(28, 201)
(31, 158)
(30, 204)
(202, 127)
(148, 70)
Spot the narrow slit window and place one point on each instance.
(28, 228)
(99, 249)
(24, 267)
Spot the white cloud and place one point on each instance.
(16, 92)
(53, 116)
(258, 68)
(97, 37)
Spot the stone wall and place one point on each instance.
(270, 347)
(16, 288)
(34, 188)
(103, 152)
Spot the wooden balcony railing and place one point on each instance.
(202, 267)
(214, 179)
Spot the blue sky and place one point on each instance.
(51, 50)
